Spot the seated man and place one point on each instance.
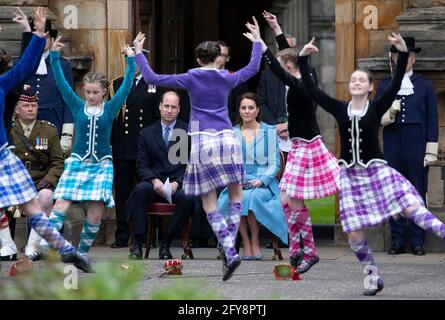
(37, 144)
(153, 167)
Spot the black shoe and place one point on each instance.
(80, 261)
(396, 249)
(373, 292)
(164, 252)
(230, 269)
(135, 252)
(12, 257)
(35, 256)
(418, 250)
(296, 259)
(118, 245)
(306, 265)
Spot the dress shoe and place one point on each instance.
(34, 256)
(418, 250)
(396, 249)
(230, 269)
(164, 252)
(135, 252)
(80, 261)
(306, 265)
(118, 245)
(296, 259)
(373, 292)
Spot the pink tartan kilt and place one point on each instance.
(311, 171)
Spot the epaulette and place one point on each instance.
(48, 123)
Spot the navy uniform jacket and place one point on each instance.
(420, 108)
(52, 108)
(141, 110)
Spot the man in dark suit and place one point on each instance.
(410, 138)
(157, 161)
(139, 111)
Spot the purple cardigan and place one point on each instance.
(208, 90)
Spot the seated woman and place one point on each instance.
(261, 202)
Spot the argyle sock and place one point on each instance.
(234, 210)
(47, 231)
(221, 230)
(293, 230)
(426, 220)
(87, 236)
(305, 227)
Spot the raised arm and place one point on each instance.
(30, 57)
(179, 81)
(276, 68)
(382, 104)
(66, 91)
(272, 21)
(124, 90)
(330, 104)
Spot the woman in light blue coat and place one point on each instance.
(261, 158)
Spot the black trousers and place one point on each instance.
(136, 207)
(124, 183)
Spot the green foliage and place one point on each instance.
(110, 282)
(184, 290)
(322, 211)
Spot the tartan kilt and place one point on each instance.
(311, 171)
(86, 181)
(370, 196)
(16, 186)
(215, 162)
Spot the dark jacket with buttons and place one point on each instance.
(302, 120)
(418, 108)
(52, 108)
(139, 111)
(358, 134)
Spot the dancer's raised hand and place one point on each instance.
(397, 41)
(138, 42)
(308, 48)
(126, 49)
(21, 18)
(272, 21)
(39, 21)
(254, 34)
(57, 45)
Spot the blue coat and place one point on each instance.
(261, 162)
(52, 108)
(416, 124)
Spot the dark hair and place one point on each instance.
(5, 60)
(208, 51)
(368, 73)
(289, 55)
(223, 44)
(251, 96)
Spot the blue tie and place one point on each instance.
(166, 135)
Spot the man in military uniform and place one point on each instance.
(51, 105)
(140, 110)
(410, 136)
(37, 144)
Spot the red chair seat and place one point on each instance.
(160, 208)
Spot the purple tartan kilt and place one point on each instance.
(215, 162)
(16, 186)
(370, 196)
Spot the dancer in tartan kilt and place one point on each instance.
(215, 157)
(88, 172)
(16, 186)
(311, 171)
(370, 190)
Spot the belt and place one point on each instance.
(35, 166)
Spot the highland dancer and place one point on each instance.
(216, 157)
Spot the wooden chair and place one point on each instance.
(165, 209)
